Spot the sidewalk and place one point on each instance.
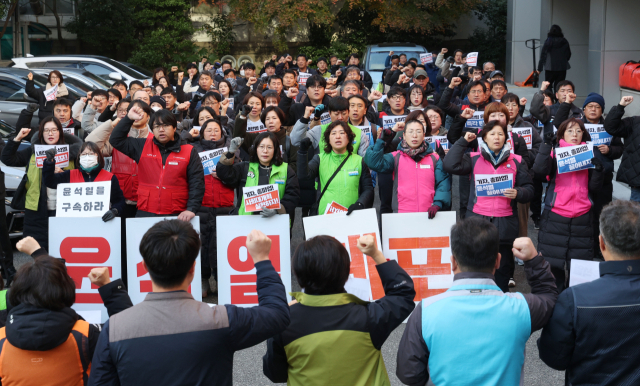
(620, 191)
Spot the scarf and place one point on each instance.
(495, 158)
(66, 124)
(413, 153)
(62, 89)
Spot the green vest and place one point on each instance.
(34, 177)
(343, 189)
(355, 130)
(3, 300)
(278, 176)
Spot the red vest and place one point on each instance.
(63, 365)
(126, 170)
(216, 194)
(163, 189)
(76, 176)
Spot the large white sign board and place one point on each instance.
(236, 271)
(364, 281)
(86, 243)
(139, 282)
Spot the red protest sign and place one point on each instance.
(334, 207)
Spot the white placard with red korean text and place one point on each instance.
(472, 59)
(138, 280)
(86, 243)
(422, 248)
(83, 199)
(526, 133)
(258, 198)
(51, 93)
(426, 58)
(302, 78)
(62, 155)
(364, 281)
(236, 271)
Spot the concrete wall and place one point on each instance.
(523, 23)
(613, 40)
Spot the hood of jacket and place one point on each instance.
(39, 329)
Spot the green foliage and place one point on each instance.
(491, 42)
(102, 35)
(163, 30)
(220, 30)
(337, 48)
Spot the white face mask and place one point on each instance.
(242, 72)
(88, 161)
(156, 108)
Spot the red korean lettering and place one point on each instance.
(99, 257)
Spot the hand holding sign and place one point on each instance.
(604, 149)
(511, 193)
(258, 246)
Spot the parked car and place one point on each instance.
(13, 98)
(141, 70)
(376, 54)
(106, 68)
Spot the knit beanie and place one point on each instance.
(160, 100)
(593, 97)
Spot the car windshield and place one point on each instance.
(96, 79)
(141, 70)
(77, 84)
(376, 59)
(125, 69)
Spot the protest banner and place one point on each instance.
(325, 118)
(598, 135)
(302, 78)
(84, 244)
(236, 271)
(255, 127)
(422, 248)
(574, 158)
(493, 185)
(583, 271)
(210, 159)
(444, 142)
(426, 58)
(85, 199)
(108, 161)
(526, 133)
(472, 59)
(138, 280)
(258, 198)
(50, 94)
(388, 121)
(364, 281)
(334, 207)
(366, 130)
(474, 123)
(62, 155)
(68, 130)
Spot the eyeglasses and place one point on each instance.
(163, 127)
(122, 111)
(91, 153)
(49, 131)
(54, 77)
(593, 107)
(265, 147)
(397, 98)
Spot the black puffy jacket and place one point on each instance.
(629, 129)
(555, 55)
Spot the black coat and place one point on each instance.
(555, 55)
(46, 107)
(629, 129)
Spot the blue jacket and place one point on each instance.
(593, 333)
(184, 341)
(474, 334)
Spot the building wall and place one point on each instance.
(523, 23)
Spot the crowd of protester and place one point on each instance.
(325, 135)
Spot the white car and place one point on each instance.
(106, 68)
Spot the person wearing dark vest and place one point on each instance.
(90, 168)
(40, 201)
(423, 188)
(493, 158)
(170, 174)
(217, 200)
(265, 167)
(45, 342)
(344, 177)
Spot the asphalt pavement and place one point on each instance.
(248, 363)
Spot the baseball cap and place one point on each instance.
(420, 72)
(496, 72)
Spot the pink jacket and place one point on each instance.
(413, 192)
(494, 206)
(570, 191)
